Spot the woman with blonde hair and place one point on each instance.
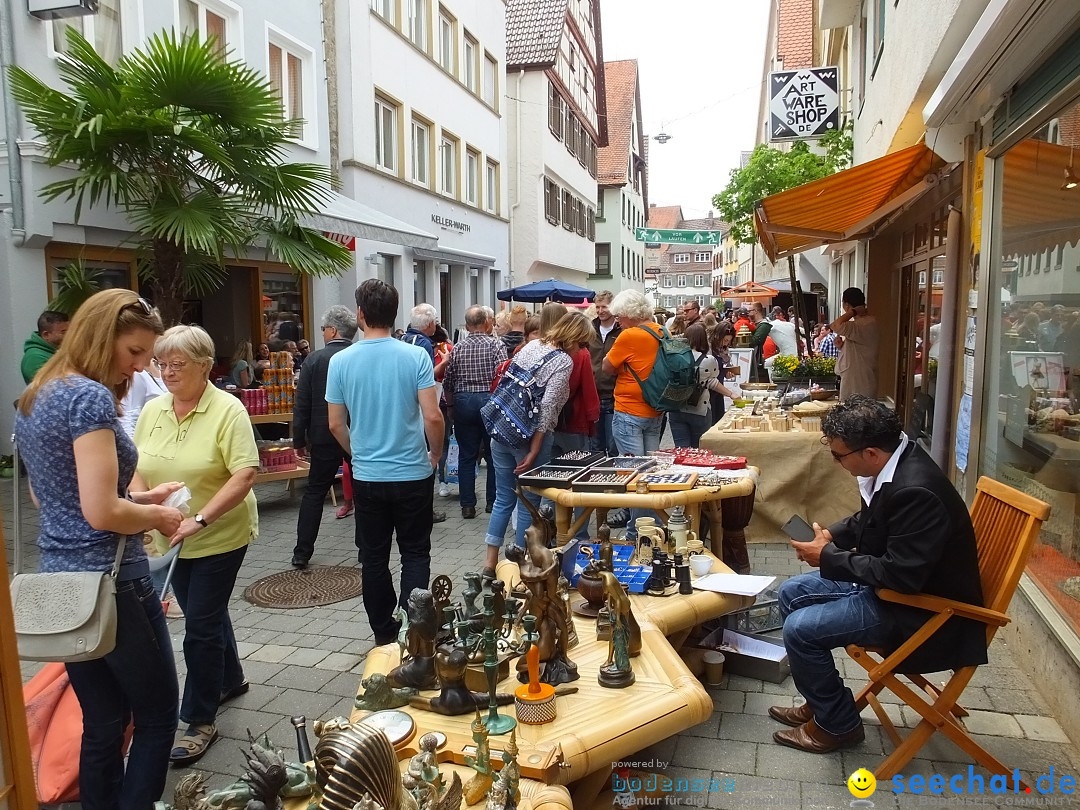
(550, 314)
(80, 462)
(202, 434)
(242, 368)
(549, 361)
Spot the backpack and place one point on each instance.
(674, 375)
(513, 412)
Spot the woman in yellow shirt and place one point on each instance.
(201, 435)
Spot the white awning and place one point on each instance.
(347, 216)
(451, 256)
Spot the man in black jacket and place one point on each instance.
(607, 329)
(311, 429)
(913, 535)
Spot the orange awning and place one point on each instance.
(844, 205)
(750, 291)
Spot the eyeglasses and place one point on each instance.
(175, 365)
(839, 456)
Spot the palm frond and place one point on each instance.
(77, 282)
(306, 250)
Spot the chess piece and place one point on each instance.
(379, 694)
(418, 670)
(481, 781)
(616, 672)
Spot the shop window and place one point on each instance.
(283, 308)
(1031, 395)
(107, 275)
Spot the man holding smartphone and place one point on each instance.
(913, 535)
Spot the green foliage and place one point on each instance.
(192, 148)
(771, 171)
(77, 282)
(788, 365)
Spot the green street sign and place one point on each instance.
(677, 237)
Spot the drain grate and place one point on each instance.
(310, 587)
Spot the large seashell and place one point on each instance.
(353, 761)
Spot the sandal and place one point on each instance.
(344, 510)
(195, 742)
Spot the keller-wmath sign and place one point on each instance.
(803, 103)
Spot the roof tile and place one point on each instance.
(621, 83)
(534, 30)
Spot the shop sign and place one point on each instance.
(803, 103)
(348, 242)
(452, 224)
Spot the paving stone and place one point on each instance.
(743, 684)
(271, 653)
(235, 723)
(747, 727)
(340, 662)
(760, 702)
(294, 701)
(662, 751)
(756, 791)
(1041, 728)
(1020, 701)
(301, 677)
(305, 657)
(774, 759)
(733, 756)
(994, 723)
(709, 728)
(257, 696)
(728, 700)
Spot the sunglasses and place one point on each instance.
(839, 456)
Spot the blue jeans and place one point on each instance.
(604, 440)
(636, 436)
(688, 428)
(384, 508)
(137, 681)
(203, 586)
(820, 615)
(505, 460)
(563, 443)
(470, 431)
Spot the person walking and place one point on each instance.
(80, 462)
(202, 435)
(467, 388)
(857, 365)
(312, 438)
(607, 330)
(383, 411)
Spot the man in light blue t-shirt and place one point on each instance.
(385, 389)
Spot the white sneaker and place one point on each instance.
(444, 490)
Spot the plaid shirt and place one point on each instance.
(828, 346)
(472, 364)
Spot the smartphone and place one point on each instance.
(798, 530)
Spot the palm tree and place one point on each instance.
(191, 147)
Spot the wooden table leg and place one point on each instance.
(585, 791)
(735, 515)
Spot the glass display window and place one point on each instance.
(1031, 428)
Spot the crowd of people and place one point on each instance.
(120, 414)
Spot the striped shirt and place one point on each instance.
(472, 364)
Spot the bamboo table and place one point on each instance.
(728, 509)
(579, 746)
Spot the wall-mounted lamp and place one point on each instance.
(1071, 180)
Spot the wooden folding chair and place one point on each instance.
(1006, 524)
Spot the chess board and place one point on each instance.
(665, 481)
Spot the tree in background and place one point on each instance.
(191, 147)
(770, 171)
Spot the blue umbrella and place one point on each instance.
(551, 290)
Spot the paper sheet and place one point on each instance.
(739, 584)
(752, 646)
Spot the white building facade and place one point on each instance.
(556, 121)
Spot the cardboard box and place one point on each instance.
(754, 656)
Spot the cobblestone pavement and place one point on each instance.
(308, 662)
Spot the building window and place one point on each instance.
(579, 217)
(603, 259)
(418, 23)
(570, 130)
(667, 281)
(600, 205)
(214, 18)
(472, 70)
(680, 281)
(447, 42)
(386, 135)
(701, 257)
(551, 201)
(572, 58)
(669, 301)
(491, 80)
(290, 68)
(448, 175)
(421, 152)
(590, 224)
(491, 186)
(699, 280)
(568, 214)
(472, 177)
(681, 258)
(555, 111)
(102, 30)
(387, 9)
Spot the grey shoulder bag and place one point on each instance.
(66, 616)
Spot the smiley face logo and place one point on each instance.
(862, 784)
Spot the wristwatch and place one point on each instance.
(201, 520)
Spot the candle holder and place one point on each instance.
(496, 723)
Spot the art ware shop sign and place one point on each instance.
(803, 103)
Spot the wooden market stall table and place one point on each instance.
(798, 476)
(587, 736)
(727, 507)
(302, 467)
